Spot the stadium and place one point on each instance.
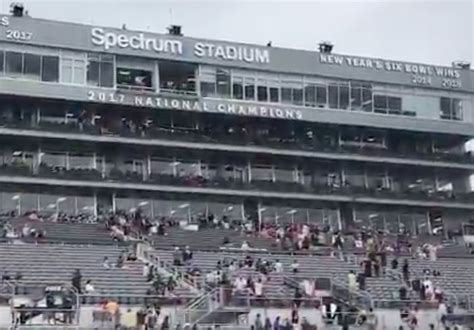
(158, 181)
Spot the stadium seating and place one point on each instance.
(54, 264)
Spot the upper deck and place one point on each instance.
(232, 78)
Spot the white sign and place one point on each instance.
(4, 21)
(390, 66)
(195, 105)
(232, 53)
(138, 41)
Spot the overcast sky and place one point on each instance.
(436, 32)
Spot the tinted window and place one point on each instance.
(2, 55)
(107, 74)
(32, 66)
(14, 63)
(50, 69)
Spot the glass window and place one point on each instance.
(457, 109)
(134, 79)
(274, 94)
(50, 68)
(310, 96)
(237, 88)
(450, 109)
(367, 98)
(395, 105)
(66, 70)
(344, 97)
(179, 77)
(79, 72)
(2, 55)
(286, 95)
(333, 92)
(298, 96)
(32, 66)
(106, 74)
(321, 96)
(72, 71)
(249, 88)
(223, 82)
(14, 63)
(262, 90)
(100, 70)
(445, 108)
(356, 96)
(380, 104)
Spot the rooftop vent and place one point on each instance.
(175, 30)
(325, 47)
(461, 65)
(16, 9)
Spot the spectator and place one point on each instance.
(105, 263)
(372, 320)
(89, 288)
(297, 300)
(187, 254)
(165, 325)
(394, 263)
(268, 324)
(351, 281)
(406, 271)
(258, 324)
(276, 323)
(146, 269)
(120, 261)
(245, 245)
(361, 281)
(295, 318)
(295, 266)
(258, 289)
(278, 266)
(76, 280)
(177, 256)
(129, 320)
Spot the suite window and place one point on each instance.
(135, 79)
(72, 71)
(249, 88)
(286, 95)
(333, 93)
(100, 70)
(338, 96)
(321, 96)
(387, 104)
(2, 61)
(14, 63)
(32, 66)
(298, 96)
(207, 79)
(361, 97)
(262, 90)
(237, 88)
(274, 91)
(223, 82)
(292, 92)
(50, 68)
(310, 95)
(450, 108)
(177, 77)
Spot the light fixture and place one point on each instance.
(263, 209)
(51, 206)
(293, 211)
(183, 206)
(133, 210)
(61, 199)
(16, 197)
(143, 203)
